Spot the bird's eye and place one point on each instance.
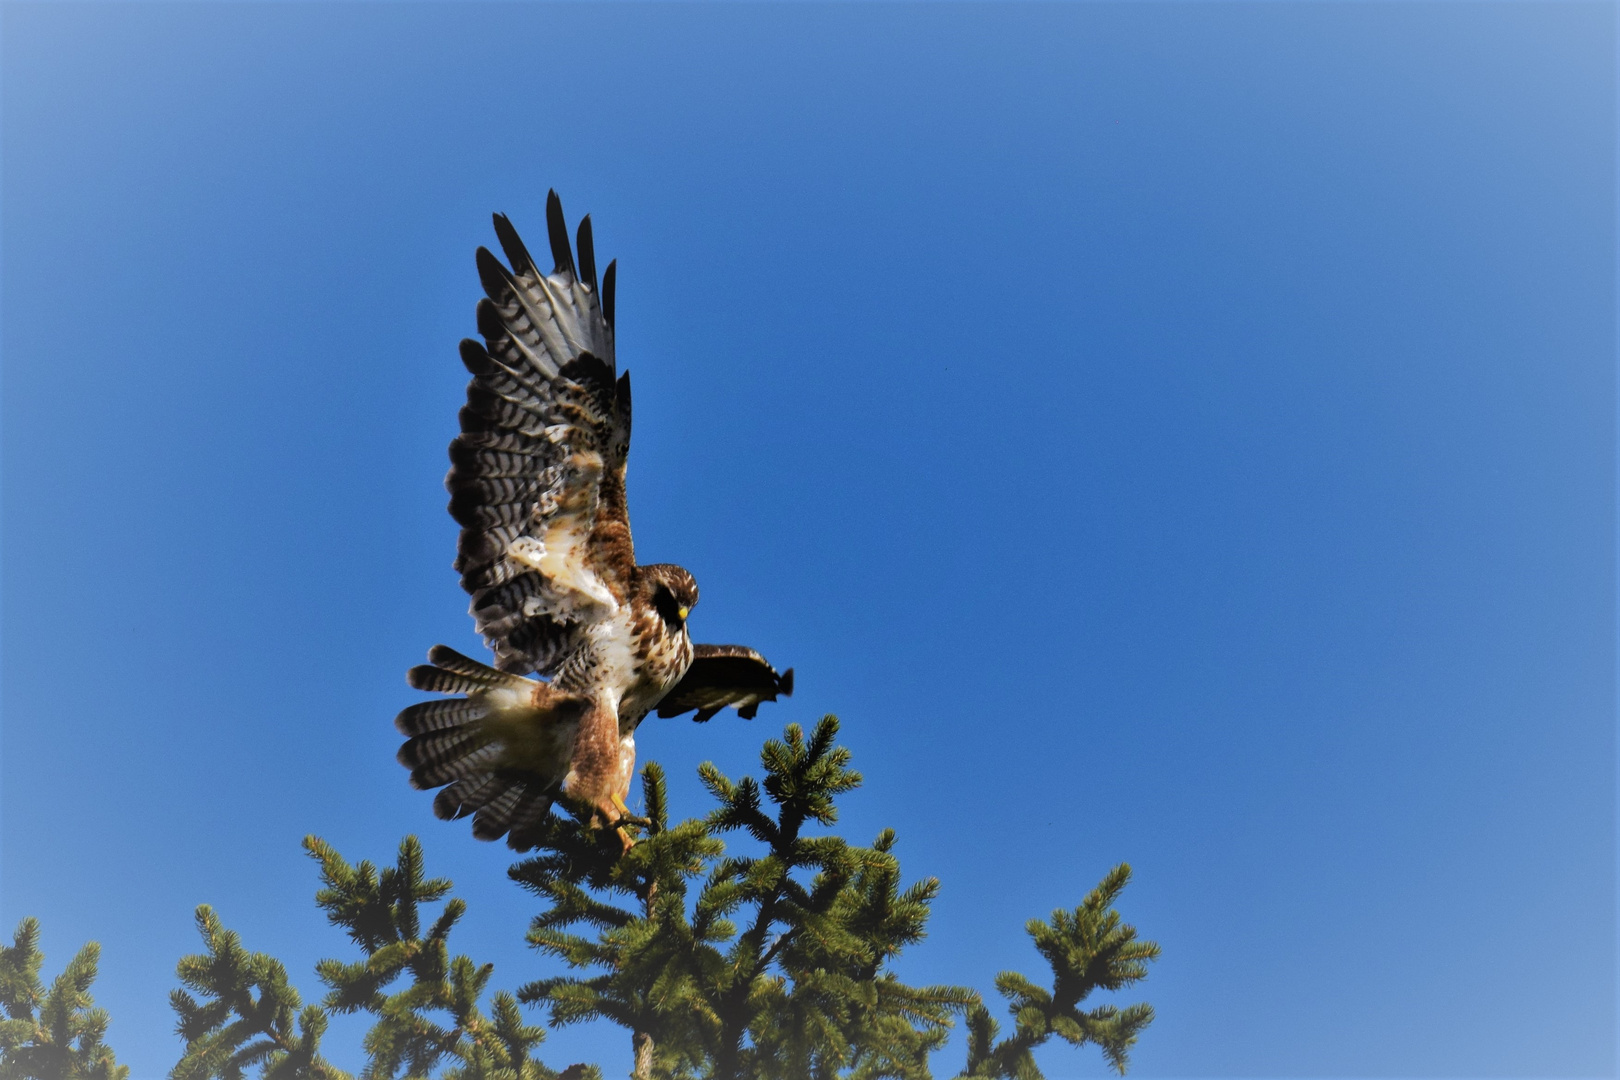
(683, 611)
(669, 608)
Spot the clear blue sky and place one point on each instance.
(1180, 434)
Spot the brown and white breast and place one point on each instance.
(662, 656)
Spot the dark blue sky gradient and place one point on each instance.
(1180, 434)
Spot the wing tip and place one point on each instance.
(517, 253)
(475, 357)
(557, 231)
(492, 275)
(587, 252)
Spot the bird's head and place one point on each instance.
(672, 591)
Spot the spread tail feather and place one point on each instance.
(463, 797)
(443, 656)
(495, 816)
(440, 681)
(446, 756)
(441, 715)
(478, 748)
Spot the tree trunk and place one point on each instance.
(643, 1044)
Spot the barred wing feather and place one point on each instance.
(537, 474)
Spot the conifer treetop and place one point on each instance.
(55, 1034)
(425, 1001)
(773, 964)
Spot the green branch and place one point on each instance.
(55, 1034)
(1088, 949)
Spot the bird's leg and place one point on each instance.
(594, 771)
(611, 813)
(621, 821)
(625, 814)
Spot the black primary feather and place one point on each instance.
(609, 276)
(475, 358)
(587, 253)
(489, 320)
(593, 374)
(557, 230)
(493, 277)
(516, 253)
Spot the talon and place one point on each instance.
(626, 817)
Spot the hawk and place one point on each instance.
(537, 484)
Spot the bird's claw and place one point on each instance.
(615, 815)
(625, 816)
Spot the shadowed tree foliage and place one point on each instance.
(55, 1034)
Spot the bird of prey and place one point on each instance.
(537, 484)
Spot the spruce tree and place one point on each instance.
(1088, 949)
(425, 1001)
(249, 1014)
(55, 1034)
(381, 913)
(776, 968)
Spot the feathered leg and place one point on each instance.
(627, 769)
(593, 780)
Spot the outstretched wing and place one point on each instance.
(723, 675)
(537, 474)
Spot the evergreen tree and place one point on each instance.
(55, 1035)
(381, 914)
(776, 968)
(1088, 949)
(251, 1015)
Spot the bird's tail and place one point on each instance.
(456, 744)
